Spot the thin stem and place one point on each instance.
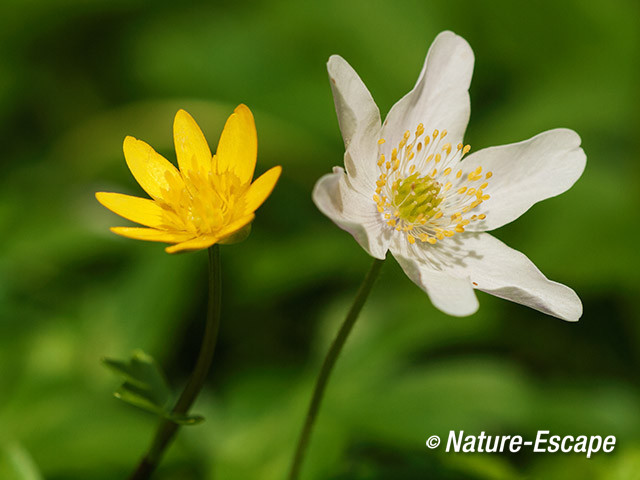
(167, 428)
(328, 364)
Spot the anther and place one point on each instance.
(413, 203)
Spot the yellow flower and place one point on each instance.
(209, 200)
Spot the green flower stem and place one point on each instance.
(167, 428)
(329, 363)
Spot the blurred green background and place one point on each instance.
(76, 76)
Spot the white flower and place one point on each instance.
(408, 190)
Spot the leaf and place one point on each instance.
(145, 385)
(184, 419)
(17, 464)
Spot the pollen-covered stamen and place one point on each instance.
(416, 199)
(423, 188)
(203, 202)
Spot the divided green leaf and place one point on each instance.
(146, 387)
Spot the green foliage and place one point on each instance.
(16, 464)
(146, 387)
(77, 76)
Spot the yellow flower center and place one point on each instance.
(207, 202)
(419, 193)
(416, 198)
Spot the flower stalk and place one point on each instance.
(329, 363)
(167, 428)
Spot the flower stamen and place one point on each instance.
(414, 199)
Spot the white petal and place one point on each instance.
(525, 173)
(353, 212)
(359, 120)
(440, 98)
(450, 293)
(495, 268)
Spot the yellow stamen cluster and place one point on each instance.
(205, 204)
(419, 193)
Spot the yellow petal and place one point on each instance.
(193, 244)
(235, 226)
(261, 189)
(149, 168)
(152, 235)
(192, 148)
(238, 146)
(139, 210)
(208, 240)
